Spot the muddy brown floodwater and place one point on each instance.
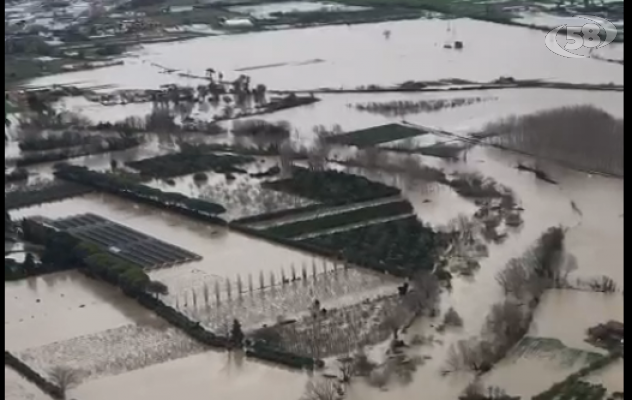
(361, 56)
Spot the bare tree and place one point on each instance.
(64, 378)
(346, 365)
(426, 290)
(507, 323)
(452, 318)
(517, 279)
(470, 354)
(322, 389)
(286, 155)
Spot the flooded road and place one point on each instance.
(361, 56)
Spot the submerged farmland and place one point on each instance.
(430, 223)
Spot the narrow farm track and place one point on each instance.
(350, 227)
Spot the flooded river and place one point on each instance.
(361, 56)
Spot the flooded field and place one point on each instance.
(18, 388)
(65, 319)
(339, 109)
(224, 376)
(58, 302)
(127, 353)
(263, 302)
(266, 10)
(224, 254)
(362, 56)
(242, 196)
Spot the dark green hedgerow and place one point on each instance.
(112, 144)
(46, 193)
(123, 187)
(30, 375)
(188, 162)
(400, 247)
(341, 219)
(376, 135)
(573, 388)
(331, 187)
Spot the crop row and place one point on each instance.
(316, 224)
(47, 193)
(376, 135)
(120, 186)
(331, 187)
(187, 162)
(401, 247)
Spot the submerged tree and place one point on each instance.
(322, 389)
(64, 378)
(236, 334)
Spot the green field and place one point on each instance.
(376, 135)
(326, 222)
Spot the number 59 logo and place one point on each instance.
(578, 37)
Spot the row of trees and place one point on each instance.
(104, 145)
(189, 160)
(399, 108)
(584, 137)
(524, 280)
(332, 187)
(43, 193)
(122, 186)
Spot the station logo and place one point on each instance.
(581, 40)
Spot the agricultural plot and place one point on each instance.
(331, 187)
(68, 320)
(401, 247)
(49, 192)
(342, 330)
(18, 388)
(188, 162)
(113, 351)
(376, 135)
(288, 294)
(354, 216)
(126, 243)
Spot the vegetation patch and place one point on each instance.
(107, 146)
(331, 187)
(131, 189)
(376, 135)
(17, 175)
(316, 224)
(401, 108)
(67, 139)
(582, 137)
(44, 193)
(300, 18)
(400, 247)
(188, 162)
(573, 388)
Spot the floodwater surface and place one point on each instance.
(353, 56)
